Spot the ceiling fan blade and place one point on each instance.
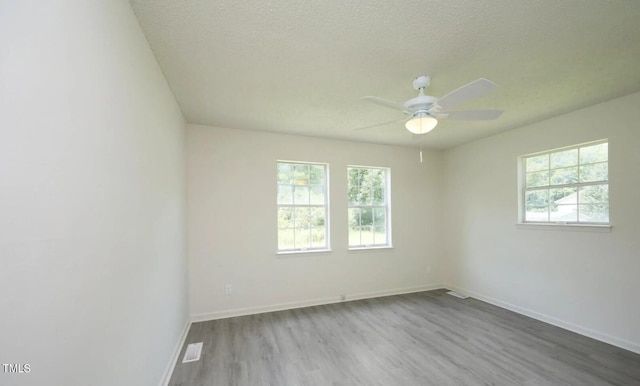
(384, 102)
(380, 124)
(475, 115)
(465, 93)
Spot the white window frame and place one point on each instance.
(293, 205)
(523, 189)
(386, 206)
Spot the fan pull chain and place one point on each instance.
(420, 153)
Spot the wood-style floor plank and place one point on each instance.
(427, 338)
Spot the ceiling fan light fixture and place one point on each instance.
(421, 123)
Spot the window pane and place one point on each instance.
(301, 174)
(537, 163)
(354, 217)
(380, 235)
(377, 177)
(563, 159)
(303, 238)
(363, 177)
(379, 218)
(366, 235)
(537, 179)
(317, 195)
(378, 196)
(536, 213)
(354, 226)
(353, 176)
(353, 194)
(364, 196)
(594, 172)
(302, 217)
(366, 217)
(564, 176)
(595, 194)
(285, 218)
(316, 174)
(285, 194)
(594, 213)
(537, 199)
(537, 205)
(301, 195)
(285, 238)
(354, 236)
(562, 213)
(594, 153)
(284, 173)
(316, 217)
(318, 239)
(379, 226)
(563, 196)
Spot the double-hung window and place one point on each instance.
(302, 206)
(567, 186)
(369, 207)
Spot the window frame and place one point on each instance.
(523, 189)
(325, 186)
(386, 206)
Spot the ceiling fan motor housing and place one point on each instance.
(420, 103)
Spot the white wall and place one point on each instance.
(232, 223)
(93, 277)
(586, 281)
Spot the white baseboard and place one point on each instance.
(606, 338)
(166, 377)
(307, 303)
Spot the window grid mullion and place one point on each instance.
(575, 185)
(360, 226)
(300, 206)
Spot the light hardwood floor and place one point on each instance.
(426, 338)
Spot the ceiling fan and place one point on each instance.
(423, 112)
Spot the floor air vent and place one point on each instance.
(192, 353)
(457, 294)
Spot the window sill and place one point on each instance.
(566, 227)
(378, 247)
(303, 251)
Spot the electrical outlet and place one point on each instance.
(228, 289)
(343, 297)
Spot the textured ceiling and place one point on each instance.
(301, 66)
